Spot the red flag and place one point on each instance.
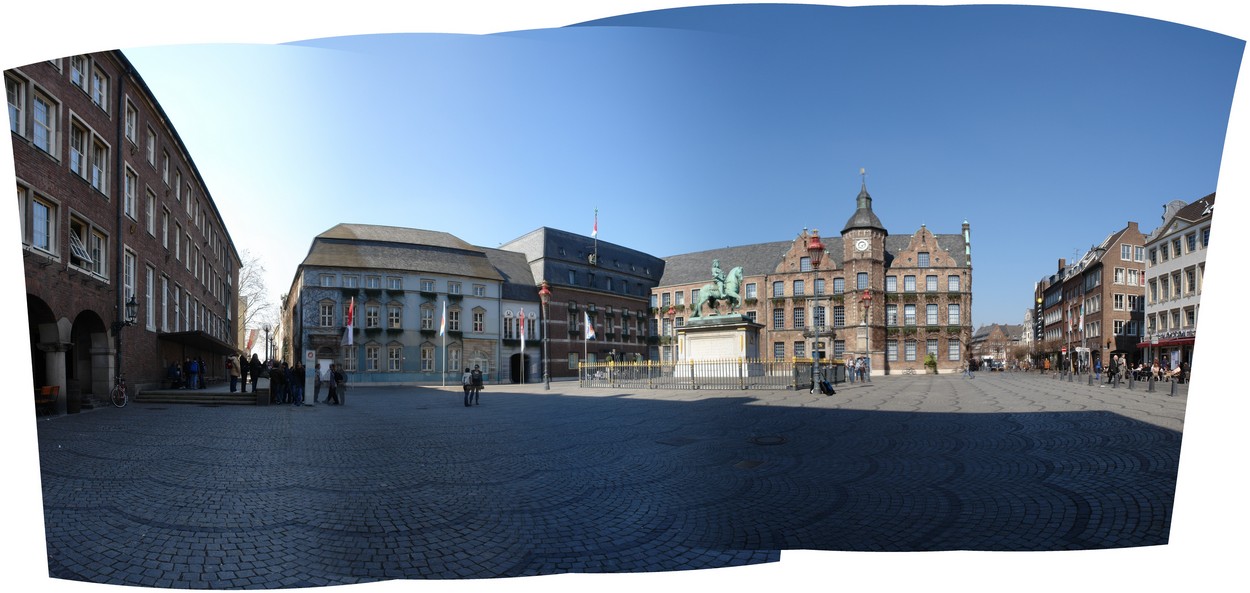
(349, 318)
(595, 233)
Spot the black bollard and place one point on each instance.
(1150, 384)
(1091, 380)
(1070, 377)
(1173, 393)
(1130, 380)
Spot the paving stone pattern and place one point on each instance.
(407, 483)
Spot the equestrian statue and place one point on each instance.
(722, 288)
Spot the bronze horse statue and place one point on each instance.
(712, 293)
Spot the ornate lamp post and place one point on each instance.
(131, 315)
(672, 333)
(267, 327)
(815, 252)
(544, 294)
(866, 300)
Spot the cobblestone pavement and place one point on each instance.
(408, 483)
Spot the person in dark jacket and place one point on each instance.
(254, 369)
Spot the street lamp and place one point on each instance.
(267, 327)
(866, 299)
(815, 252)
(672, 330)
(544, 294)
(131, 314)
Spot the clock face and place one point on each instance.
(862, 244)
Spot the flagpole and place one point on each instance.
(442, 329)
(523, 367)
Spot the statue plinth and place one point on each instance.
(719, 337)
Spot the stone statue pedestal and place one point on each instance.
(718, 338)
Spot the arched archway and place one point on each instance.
(39, 314)
(89, 360)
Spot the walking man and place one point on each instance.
(477, 384)
(316, 383)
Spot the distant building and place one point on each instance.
(422, 305)
(112, 207)
(1093, 309)
(996, 341)
(590, 279)
(1176, 264)
(895, 298)
(427, 304)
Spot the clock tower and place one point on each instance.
(863, 257)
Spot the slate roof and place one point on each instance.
(399, 249)
(760, 258)
(518, 279)
(1194, 211)
(763, 258)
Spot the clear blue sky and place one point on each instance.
(1045, 128)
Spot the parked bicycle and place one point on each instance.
(118, 395)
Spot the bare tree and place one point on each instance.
(254, 303)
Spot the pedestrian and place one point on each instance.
(1184, 372)
(1098, 370)
(254, 370)
(340, 385)
(193, 377)
(860, 367)
(332, 395)
(466, 382)
(968, 370)
(316, 383)
(298, 375)
(477, 385)
(203, 374)
(1045, 366)
(174, 374)
(232, 368)
(850, 370)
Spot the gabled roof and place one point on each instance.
(518, 278)
(399, 249)
(394, 234)
(760, 258)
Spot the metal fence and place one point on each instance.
(708, 374)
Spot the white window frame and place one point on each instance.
(45, 134)
(150, 297)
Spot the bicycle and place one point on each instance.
(118, 394)
(909, 371)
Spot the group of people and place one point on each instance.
(188, 375)
(472, 382)
(286, 381)
(1120, 369)
(244, 370)
(857, 369)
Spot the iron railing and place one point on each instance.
(737, 373)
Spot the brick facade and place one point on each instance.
(99, 211)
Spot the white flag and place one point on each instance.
(523, 332)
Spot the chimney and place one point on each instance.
(1063, 263)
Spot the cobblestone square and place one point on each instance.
(407, 483)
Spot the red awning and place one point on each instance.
(1167, 343)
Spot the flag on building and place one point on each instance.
(522, 330)
(349, 320)
(595, 232)
(590, 328)
(251, 339)
(442, 322)
(1082, 321)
